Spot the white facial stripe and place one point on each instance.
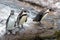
(44, 16)
(24, 13)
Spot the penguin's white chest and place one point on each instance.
(23, 19)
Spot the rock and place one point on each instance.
(52, 20)
(50, 23)
(48, 20)
(44, 3)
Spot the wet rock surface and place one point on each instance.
(49, 25)
(44, 3)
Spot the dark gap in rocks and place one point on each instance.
(21, 0)
(34, 4)
(50, 28)
(38, 38)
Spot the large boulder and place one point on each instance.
(52, 19)
(44, 3)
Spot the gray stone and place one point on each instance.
(45, 3)
(52, 20)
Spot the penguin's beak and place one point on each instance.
(47, 11)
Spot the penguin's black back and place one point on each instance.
(38, 17)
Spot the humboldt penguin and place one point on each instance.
(40, 15)
(22, 18)
(9, 28)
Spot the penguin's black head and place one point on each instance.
(40, 15)
(12, 12)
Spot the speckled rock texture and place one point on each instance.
(44, 3)
(53, 17)
(50, 22)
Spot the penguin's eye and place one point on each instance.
(51, 9)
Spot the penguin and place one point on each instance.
(22, 18)
(7, 27)
(40, 15)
